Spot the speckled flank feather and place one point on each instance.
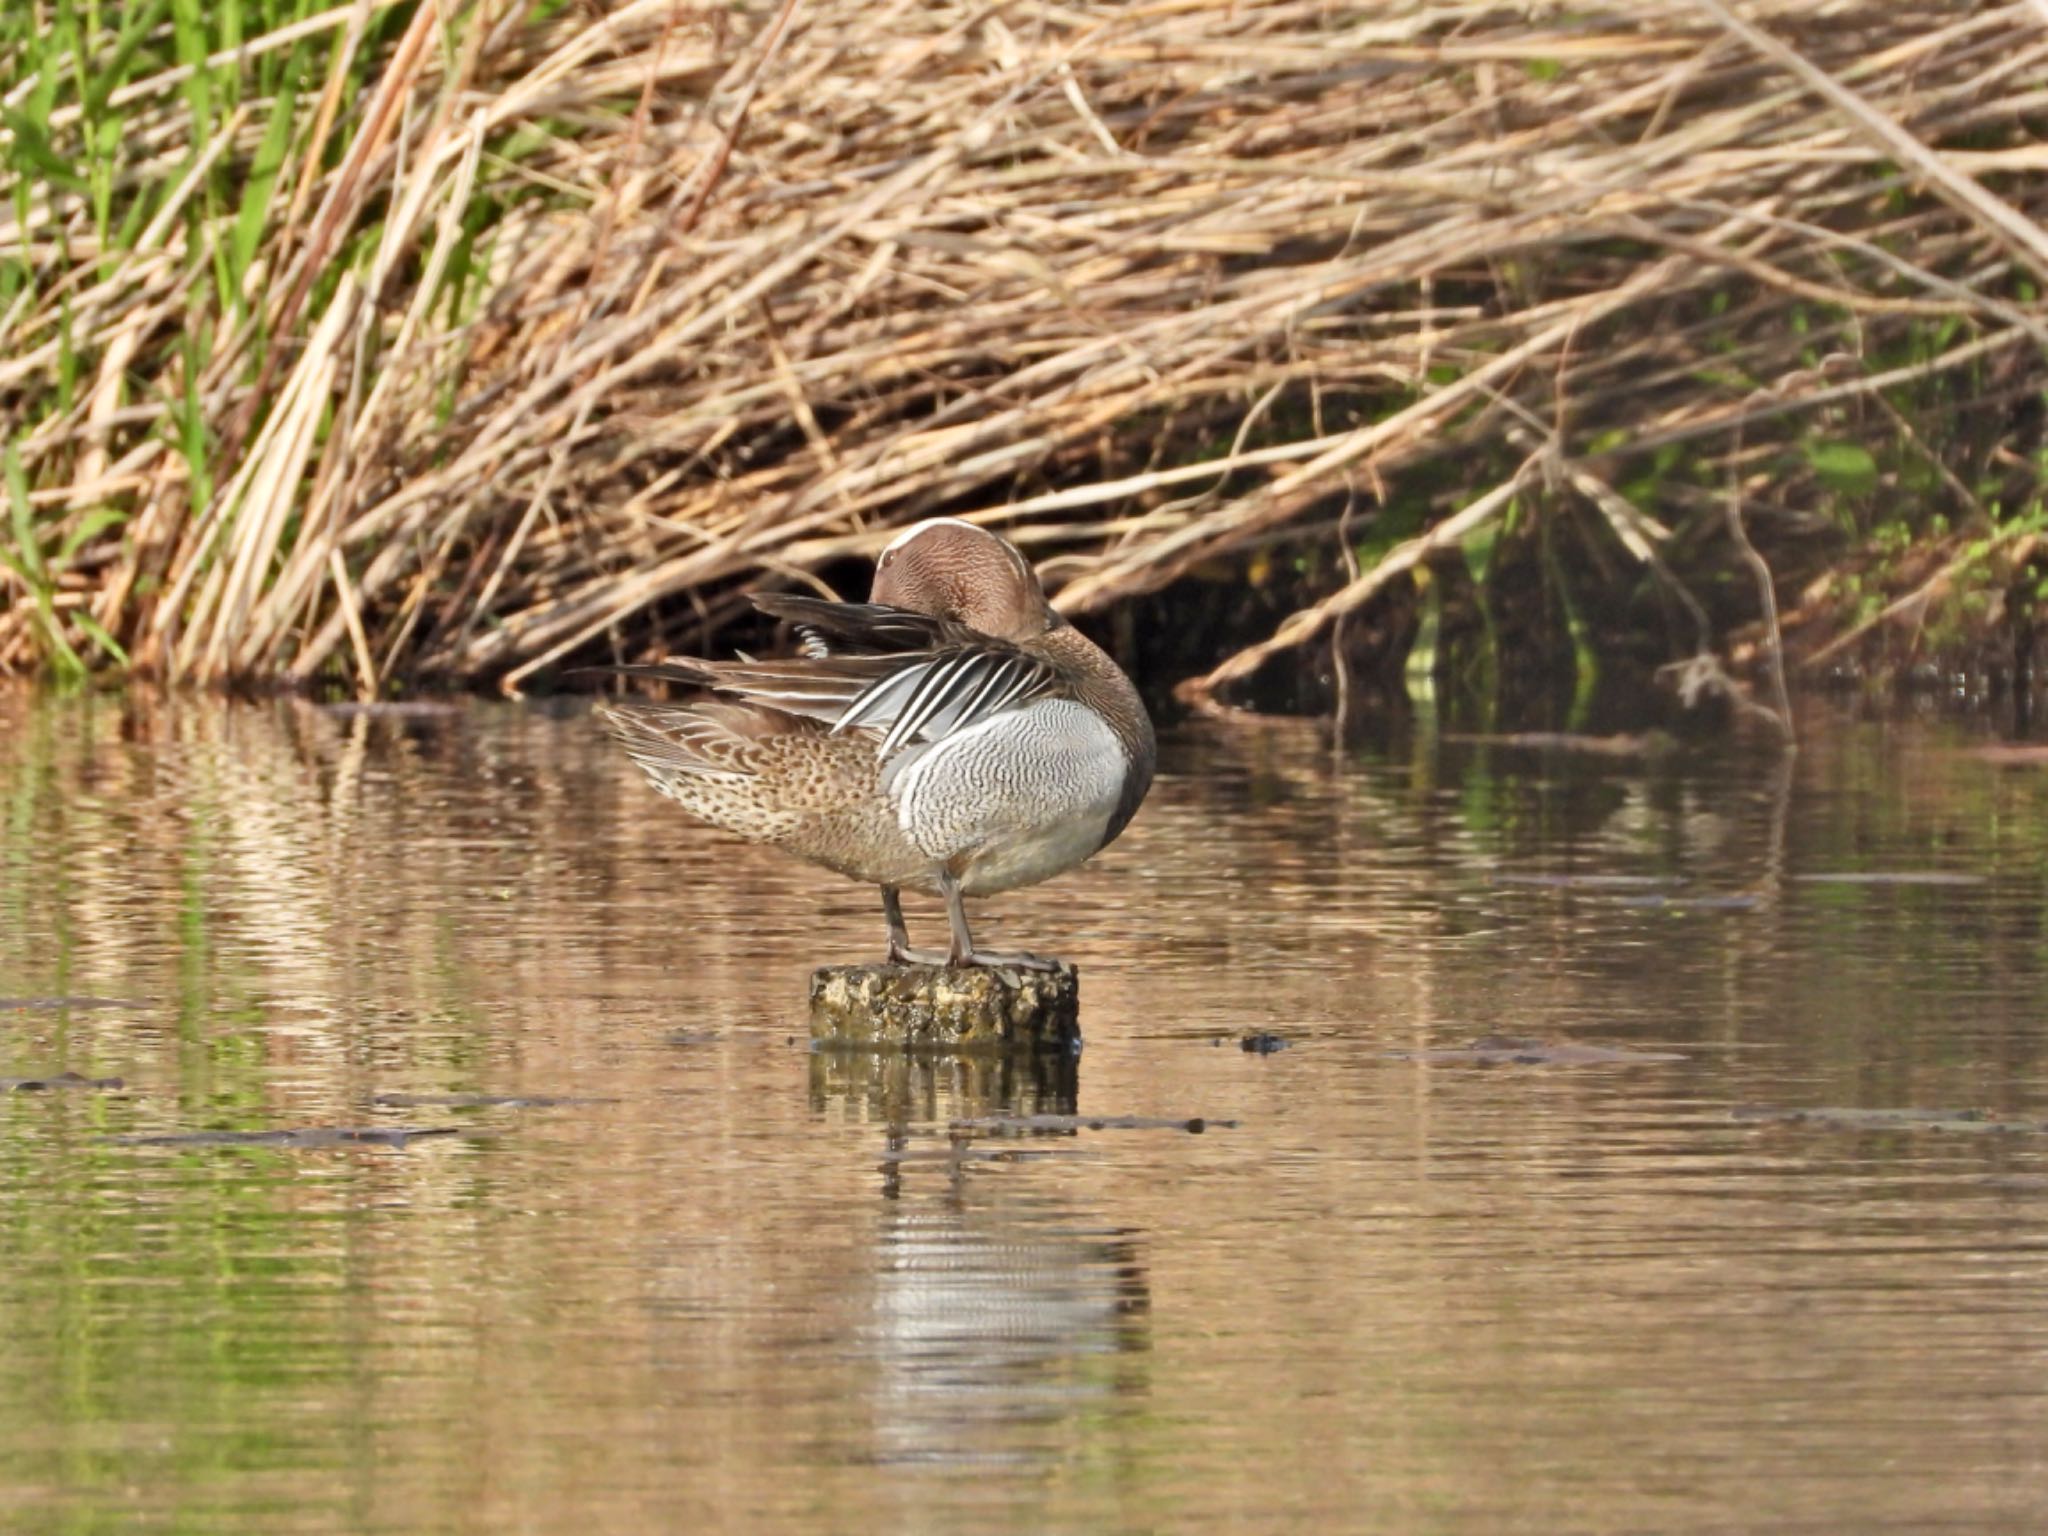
(773, 778)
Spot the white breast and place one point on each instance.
(1019, 798)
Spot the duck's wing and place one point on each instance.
(814, 688)
(705, 739)
(826, 628)
(871, 667)
(936, 693)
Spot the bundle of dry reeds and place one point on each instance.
(442, 340)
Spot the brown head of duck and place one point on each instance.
(957, 571)
(954, 735)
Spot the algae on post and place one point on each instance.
(946, 1007)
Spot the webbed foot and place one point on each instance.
(905, 954)
(991, 957)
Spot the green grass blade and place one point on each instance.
(188, 31)
(67, 359)
(95, 522)
(34, 155)
(70, 668)
(113, 70)
(97, 634)
(27, 551)
(254, 214)
(189, 415)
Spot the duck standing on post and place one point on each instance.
(953, 735)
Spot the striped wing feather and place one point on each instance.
(948, 690)
(871, 667)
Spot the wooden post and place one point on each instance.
(946, 1008)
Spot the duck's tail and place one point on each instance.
(710, 738)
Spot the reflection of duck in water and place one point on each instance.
(954, 736)
(987, 1321)
(993, 1311)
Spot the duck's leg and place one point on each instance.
(964, 952)
(900, 952)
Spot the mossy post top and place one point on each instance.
(949, 1008)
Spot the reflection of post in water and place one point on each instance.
(900, 1088)
(912, 1088)
(903, 1089)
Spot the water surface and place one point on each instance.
(1412, 1286)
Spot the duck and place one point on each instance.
(954, 735)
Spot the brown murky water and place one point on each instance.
(1416, 1287)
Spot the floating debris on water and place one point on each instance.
(393, 709)
(308, 1137)
(57, 1081)
(1978, 1120)
(478, 1101)
(896, 1157)
(1637, 744)
(53, 1004)
(1891, 877)
(1568, 882)
(1194, 1125)
(1658, 901)
(1498, 1050)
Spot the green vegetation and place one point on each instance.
(362, 344)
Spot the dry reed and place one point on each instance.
(551, 325)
